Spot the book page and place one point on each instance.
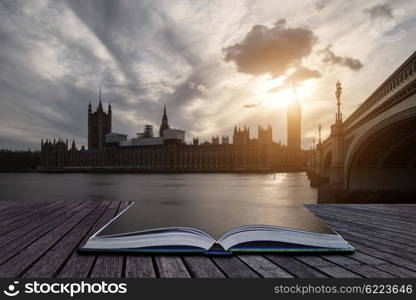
(213, 217)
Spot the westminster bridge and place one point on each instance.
(371, 156)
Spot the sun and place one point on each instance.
(283, 97)
(278, 93)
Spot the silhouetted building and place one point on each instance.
(148, 131)
(215, 140)
(265, 136)
(165, 124)
(294, 119)
(111, 152)
(241, 136)
(294, 126)
(225, 140)
(21, 161)
(99, 125)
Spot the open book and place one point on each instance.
(215, 229)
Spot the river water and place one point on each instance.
(284, 188)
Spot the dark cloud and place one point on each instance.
(252, 105)
(302, 74)
(38, 105)
(116, 24)
(380, 11)
(112, 23)
(193, 87)
(54, 55)
(331, 58)
(321, 4)
(272, 50)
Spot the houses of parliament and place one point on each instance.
(168, 151)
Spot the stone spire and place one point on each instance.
(100, 105)
(165, 124)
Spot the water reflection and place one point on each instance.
(168, 189)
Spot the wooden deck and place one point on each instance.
(41, 240)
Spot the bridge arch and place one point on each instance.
(327, 161)
(384, 157)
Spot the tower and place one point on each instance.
(109, 113)
(99, 125)
(165, 124)
(241, 136)
(265, 135)
(294, 118)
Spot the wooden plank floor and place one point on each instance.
(41, 240)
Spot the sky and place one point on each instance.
(215, 64)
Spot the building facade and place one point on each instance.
(108, 151)
(99, 125)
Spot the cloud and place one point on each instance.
(380, 11)
(331, 58)
(271, 50)
(252, 105)
(148, 53)
(302, 74)
(321, 4)
(277, 89)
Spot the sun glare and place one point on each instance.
(282, 98)
(285, 96)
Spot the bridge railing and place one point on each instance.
(406, 70)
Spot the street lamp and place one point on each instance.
(319, 130)
(338, 93)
